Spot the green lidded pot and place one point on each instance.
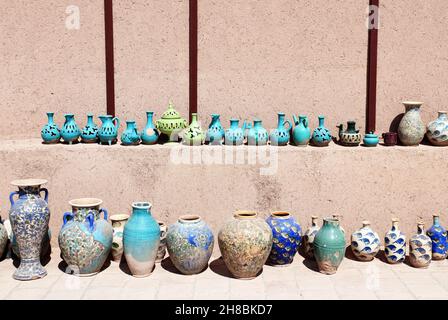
(329, 246)
(171, 124)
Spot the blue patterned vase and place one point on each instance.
(190, 244)
(108, 132)
(130, 136)
(395, 244)
(257, 135)
(50, 133)
(141, 239)
(420, 246)
(321, 135)
(280, 136)
(365, 243)
(29, 216)
(89, 133)
(150, 134)
(287, 236)
(437, 233)
(85, 239)
(215, 133)
(70, 131)
(234, 136)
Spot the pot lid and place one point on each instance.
(28, 182)
(371, 135)
(171, 113)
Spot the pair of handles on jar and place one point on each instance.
(12, 194)
(90, 218)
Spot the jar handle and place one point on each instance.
(45, 190)
(105, 213)
(289, 123)
(66, 216)
(11, 197)
(117, 122)
(305, 122)
(90, 219)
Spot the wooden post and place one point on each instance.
(110, 70)
(372, 65)
(193, 54)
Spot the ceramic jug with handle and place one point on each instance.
(109, 129)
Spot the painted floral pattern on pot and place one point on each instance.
(162, 246)
(29, 216)
(45, 250)
(437, 130)
(411, 129)
(190, 244)
(365, 243)
(308, 238)
(395, 244)
(420, 248)
(438, 236)
(287, 235)
(50, 133)
(245, 243)
(118, 223)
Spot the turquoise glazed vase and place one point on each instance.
(437, 233)
(420, 248)
(150, 134)
(395, 244)
(301, 134)
(371, 139)
(235, 135)
(329, 246)
(215, 132)
(85, 238)
(257, 135)
(29, 217)
(141, 239)
(89, 133)
(287, 235)
(190, 244)
(70, 132)
(280, 136)
(321, 135)
(245, 243)
(108, 132)
(50, 133)
(130, 136)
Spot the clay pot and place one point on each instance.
(245, 243)
(420, 248)
(329, 246)
(308, 238)
(162, 246)
(365, 243)
(395, 244)
(118, 223)
(411, 129)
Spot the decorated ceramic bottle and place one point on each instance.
(193, 134)
(118, 223)
(301, 133)
(215, 133)
(257, 135)
(50, 133)
(321, 135)
(437, 130)
(365, 243)
(130, 136)
(162, 246)
(308, 238)
(411, 129)
(70, 131)
(438, 236)
(108, 132)
(89, 133)
(235, 135)
(351, 136)
(420, 248)
(150, 134)
(280, 136)
(395, 244)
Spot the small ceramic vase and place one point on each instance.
(321, 135)
(193, 134)
(371, 140)
(390, 139)
(171, 124)
(89, 133)
(108, 132)
(411, 129)
(287, 235)
(280, 136)
(150, 134)
(162, 246)
(437, 130)
(215, 133)
(3, 238)
(70, 132)
(420, 246)
(118, 223)
(257, 135)
(395, 244)
(234, 136)
(190, 244)
(365, 243)
(130, 136)
(245, 243)
(438, 236)
(301, 134)
(141, 239)
(308, 238)
(29, 216)
(350, 137)
(50, 133)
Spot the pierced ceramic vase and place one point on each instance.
(280, 136)
(161, 252)
(70, 131)
(420, 246)
(308, 238)
(89, 133)
(118, 223)
(438, 236)
(257, 135)
(395, 244)
(108, 132)
(365, 243)
(235, 136)
(411, 129)
(193, 134)
(130, 136)
(321, 135)
(437, 130)
(171, 124)
(215, 133)
(50, 133)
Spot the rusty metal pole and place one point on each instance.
(193, 56)
(110, 70)
(372, 65)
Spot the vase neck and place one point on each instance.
(281, 119)
(412, 107)
(149, 116)
(442, 115)
(33, 190)
(69, 117)
(106, 119)
(321, 121)
(90, 119)
(351, 126)
(50, 116)
(436, 220)
(141, 208)
(420, 228)
(314, 221)
(234, 123)
(331, 222)
(130, 124)
(257, 124)
(189, 219)
(394, 224)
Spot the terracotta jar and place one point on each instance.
(245, 243)
(420, 248)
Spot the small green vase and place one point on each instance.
(193, 135)
(329, 246)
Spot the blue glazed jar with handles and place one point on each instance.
(29, 216)
(215, 132)
(108, 132)
(280, 136)
(70, 131)
(150, 134)
(438, 236)
(50, 133)
(301, 134)
(130, 136)
(141, 239)
(89, 133)
(257, 135)
(85, 239)
(235, 136)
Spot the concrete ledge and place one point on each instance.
(359, 183)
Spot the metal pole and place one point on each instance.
(372, 65)
(110, 76)
(193, 54)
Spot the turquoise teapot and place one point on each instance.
(109, 131)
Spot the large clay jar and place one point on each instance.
(395, 244)
(287, 235)
(365, 243)
(162, 246)
(29, 216)
(420, 248)
(215, 132)
(3, 238)
(190, 244)
(301, 134)
(329, 246)
(308, 238)
(193, 134)
(118, 223)
(257, 135)
(50, 133)
(245, 243)
(437, 130)
(85, 238)
(438, 236)
(141, 239)
(411, 129)
(280, 135)
(150, 134)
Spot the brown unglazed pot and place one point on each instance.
(245, 243)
